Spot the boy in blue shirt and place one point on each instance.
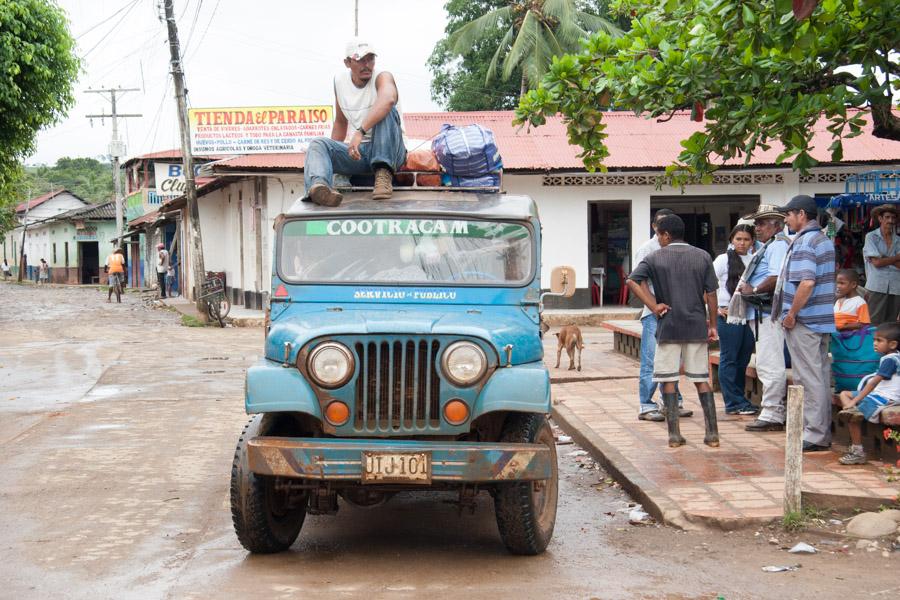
(875, 391)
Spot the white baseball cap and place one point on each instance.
(357, 48)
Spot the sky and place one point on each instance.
(236, 53)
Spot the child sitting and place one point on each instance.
(850, 309)
(875, 392)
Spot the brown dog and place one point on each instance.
(570, 339)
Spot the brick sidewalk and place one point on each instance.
(739, 484)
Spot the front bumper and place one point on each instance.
(341, 459)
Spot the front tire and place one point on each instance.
(265, 520)
(526, 511)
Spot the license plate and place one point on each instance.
(396, 467)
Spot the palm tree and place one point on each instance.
(538, 31)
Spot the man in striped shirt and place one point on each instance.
(804, 305)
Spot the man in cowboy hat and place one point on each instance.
(882, 255)
(367, 135)
(770, 368)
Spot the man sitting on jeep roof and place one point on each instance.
(366, 104)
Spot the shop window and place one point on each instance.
(66, 252)
(54, 253)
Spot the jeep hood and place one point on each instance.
(499, 326)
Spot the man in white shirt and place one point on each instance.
(366, 106)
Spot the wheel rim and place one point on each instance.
(544, 492)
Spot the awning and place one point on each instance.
(851, 200)
(869, 188)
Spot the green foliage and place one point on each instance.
(457, 83)
(7, 217)
(494, 50)
(793, 521)
(87, 178)
(759, 74)
(38, 69)
(191, 321)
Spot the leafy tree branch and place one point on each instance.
(748, 69)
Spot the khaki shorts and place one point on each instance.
(671, 355)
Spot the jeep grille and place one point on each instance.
(398, 386)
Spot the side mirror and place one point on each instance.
(562, 282)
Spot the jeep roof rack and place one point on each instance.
(417, 187)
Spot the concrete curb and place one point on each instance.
(583, 378)
(655, 503)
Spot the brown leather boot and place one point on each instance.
(323, 195)
(383, 184)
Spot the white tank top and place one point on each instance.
(355, 102)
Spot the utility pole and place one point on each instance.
(355, 18)
(116, 150)
(22, 265)
(197, 266)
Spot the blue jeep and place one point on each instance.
(403, 352)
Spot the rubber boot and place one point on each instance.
(671, 403)
(708, 402)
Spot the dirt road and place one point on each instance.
(117, 428)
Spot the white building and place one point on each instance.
(37, 241)
(590, 220)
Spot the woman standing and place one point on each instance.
(735, 341)
(43, 272)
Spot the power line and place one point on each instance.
(147, 43)
(205, 31)
(112, 29)
(153, 126)
(187, 44)
(93, 27)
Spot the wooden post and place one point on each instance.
(793, 450)
(193, 211)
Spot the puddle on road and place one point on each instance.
(103, 392)
(105, 427)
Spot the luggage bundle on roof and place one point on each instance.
(460, 157)
(469, 156)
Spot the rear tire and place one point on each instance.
(526, 511)
(264, 519)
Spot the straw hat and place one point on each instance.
(765, 211)
(884, 208)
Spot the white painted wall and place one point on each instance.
(213, 228)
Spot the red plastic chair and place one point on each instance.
(623, 289)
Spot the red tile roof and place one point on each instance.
(634, 143)
(41, 199)
(150, 217)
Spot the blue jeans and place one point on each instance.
(735, 348)
(646, 386)
(325, 156)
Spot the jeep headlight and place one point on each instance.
(463, 363)
(330, 364)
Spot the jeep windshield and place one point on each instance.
(406, 251)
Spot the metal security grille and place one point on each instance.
(398, 388)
